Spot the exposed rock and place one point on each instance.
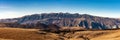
(65, 20)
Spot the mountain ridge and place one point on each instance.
(67, 20)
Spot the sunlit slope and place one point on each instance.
(112, 36)
(24, 34)
(35, 34)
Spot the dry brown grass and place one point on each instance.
(114, 35)
(24, 34)
(92, 35)
(35, 34)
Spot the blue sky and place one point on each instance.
(18, 8)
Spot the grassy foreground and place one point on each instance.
(35, 34)
(24, 34)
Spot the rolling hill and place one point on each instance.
(35, 34)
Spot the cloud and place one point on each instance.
(9, 14)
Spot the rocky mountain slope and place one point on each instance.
(64, 20)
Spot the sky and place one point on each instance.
(19, 8)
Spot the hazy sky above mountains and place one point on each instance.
(18, 8)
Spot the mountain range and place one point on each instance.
(57, 20)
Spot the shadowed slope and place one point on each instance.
(66, 20)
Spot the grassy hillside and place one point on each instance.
(24, 34)
(35, 34)
(112, 36)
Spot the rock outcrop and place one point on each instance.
(65, 20)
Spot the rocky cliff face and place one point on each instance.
(67, 20)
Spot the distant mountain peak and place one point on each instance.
(68, 20)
